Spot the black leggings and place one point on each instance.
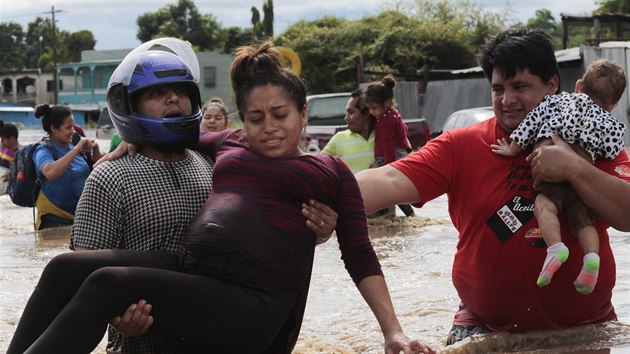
(79, 292)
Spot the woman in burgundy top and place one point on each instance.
(240, 282)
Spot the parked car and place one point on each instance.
(466, 117)
(326, 114)
(327, 109)
(104, 127)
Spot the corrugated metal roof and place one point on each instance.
(16, 109)
(615, 44)
(85, 106)
(562, 56)
(569, 54)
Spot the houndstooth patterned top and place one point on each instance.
(138, 203)
(576, 119)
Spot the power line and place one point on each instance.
(54, 49)
(117, 21)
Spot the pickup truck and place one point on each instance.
(326, 114)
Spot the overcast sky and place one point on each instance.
(113, 22)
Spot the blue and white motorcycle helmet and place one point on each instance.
(159, 62)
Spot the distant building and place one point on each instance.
(28, 87)
(617, 24)
(83, 85)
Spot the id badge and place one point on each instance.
(506, 221)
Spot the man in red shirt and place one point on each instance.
(490, 198)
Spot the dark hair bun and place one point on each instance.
(42, 110)
(389, 81)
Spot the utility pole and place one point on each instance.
(360, 68)
(54, 53)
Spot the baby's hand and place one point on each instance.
(502, 147)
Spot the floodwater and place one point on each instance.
(416, 255)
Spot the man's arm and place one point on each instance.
(607, 195)
(386, 186)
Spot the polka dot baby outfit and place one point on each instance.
(576, 119)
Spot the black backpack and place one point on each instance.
(24, 181)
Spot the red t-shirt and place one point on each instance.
(500, 251)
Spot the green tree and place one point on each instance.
(614, 6)
(328, 64)
(470, 19)
(11, 46)
(267, 23)
(235, 37)
(263, 29)
(400, 40)
(429, 44)
(78, 42)
(184, 21)
(38, 42)
(544, 19)
(38, 47)
(256, 26)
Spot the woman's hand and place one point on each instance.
(84, 144)
(122, 149)
(399, 342)
(96, 151)
(136, 321)
(322, 220)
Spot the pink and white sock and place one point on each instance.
(586, 280)
(556, 255)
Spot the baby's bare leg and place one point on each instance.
(589, 239)
(543, 142)
(546, 212)
(581, 223)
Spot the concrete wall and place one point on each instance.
(223, 87)
(447, 96)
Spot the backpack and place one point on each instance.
(24, 181)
